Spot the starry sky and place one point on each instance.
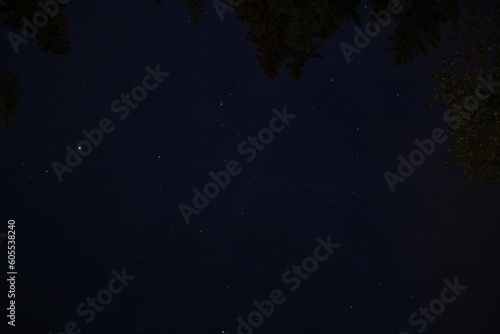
(322, 175)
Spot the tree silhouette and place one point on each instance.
(50, 37)
(418, 27)
(290, 30)
(194, 7)
(466, 85)
(294, 29)
(9, 95)
(284, 29)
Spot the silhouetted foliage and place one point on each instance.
(51, 37)
(284, 29)
(418, 27)
(292, 30)
(289, 30)
(475, 140)
(9, 95)
(194, 7)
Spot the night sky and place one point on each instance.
(320, 177)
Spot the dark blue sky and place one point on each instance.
(322, 175)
